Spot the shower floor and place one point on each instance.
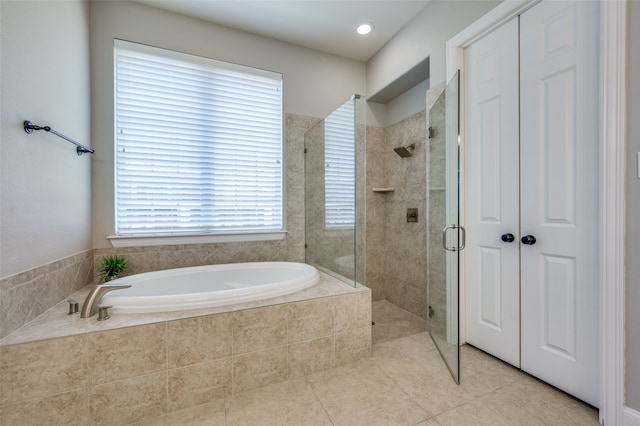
(392, 322)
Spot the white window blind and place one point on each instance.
(340, 170)
(198, 145)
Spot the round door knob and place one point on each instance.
(508, 237)
(528, 240)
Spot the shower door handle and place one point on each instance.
(462, 234)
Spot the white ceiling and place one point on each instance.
(324, 25)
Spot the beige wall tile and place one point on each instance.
(127, 352)
(19, 306)
(43, 368)
(363, 307)
(346, 312)
(195, 340)
(69, 408)
(310, 319)
(259, 369)
(353, 345)
(26, 295)
(259, 329)
(127, 401)
(311, 357)
(199, 384)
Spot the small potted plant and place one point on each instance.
(111, 267)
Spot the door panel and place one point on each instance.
(559, 195)
(559, 304)
(558, 162)
(491, 164)
(490, 314)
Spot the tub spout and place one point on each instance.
(90, 305)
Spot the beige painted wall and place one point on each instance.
(45, 198)
(314, 83)
(632, 343)
(425, 36)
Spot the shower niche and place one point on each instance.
(335, 219)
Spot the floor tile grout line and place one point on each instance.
(404, 391)
(313, 389)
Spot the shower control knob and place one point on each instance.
(508, 237)
(528, 240)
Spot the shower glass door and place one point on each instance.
(446, 236)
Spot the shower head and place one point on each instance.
(405, 151)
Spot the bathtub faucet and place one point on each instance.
(90, 306)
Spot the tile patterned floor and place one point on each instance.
(404, 383)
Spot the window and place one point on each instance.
(340, 171)
(198, 145)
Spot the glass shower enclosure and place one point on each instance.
(335, 193)
(446, 235)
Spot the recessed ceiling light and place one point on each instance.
(365, 29)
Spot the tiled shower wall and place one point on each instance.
(405, 243)
(398, 259)
(375, 240)
(26, 295)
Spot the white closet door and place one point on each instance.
(492, 188)
(559, 195)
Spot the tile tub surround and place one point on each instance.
(26, 295)
(110, 373)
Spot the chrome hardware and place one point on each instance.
(29, 127)
(90, 306)
(508, 237)
(103, 312)
(528, 240)
(431, 311)
(74, 307)
(462, 237)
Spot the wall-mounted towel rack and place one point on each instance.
(29, 127)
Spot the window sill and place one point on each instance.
(162, 240)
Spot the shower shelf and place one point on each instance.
(390, 189)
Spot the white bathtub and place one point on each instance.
(207, 286)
